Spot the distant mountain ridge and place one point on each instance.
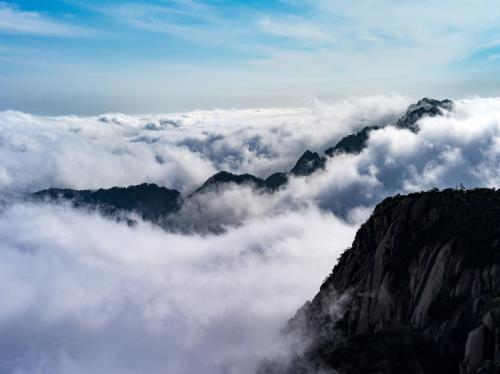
(152, 202)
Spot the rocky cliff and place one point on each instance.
(418, 292)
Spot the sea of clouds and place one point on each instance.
(83, 293)
(178, 151)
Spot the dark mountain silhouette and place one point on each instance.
(353, 143)
(223, 177)
(308, 163)
(422, 283)
(276, 180)
(150, 201)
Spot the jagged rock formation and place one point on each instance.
(423, 283)
(308, 163)
(150, 201)
(425, 107)
(353, 143)
(223, 178)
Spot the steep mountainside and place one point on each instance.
(422, 284)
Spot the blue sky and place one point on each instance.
(87, 57)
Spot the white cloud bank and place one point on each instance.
(460, 147)
(178, 151)
(85, 294)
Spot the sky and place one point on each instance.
(89, 57)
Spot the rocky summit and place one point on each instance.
(423, 108)
(418, 292)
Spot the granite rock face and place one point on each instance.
(423, 283)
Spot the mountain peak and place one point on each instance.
(224, 177)
(424, 107)
(308, 163)
(353, 143)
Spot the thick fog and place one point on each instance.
(83, 293)
(178, 151)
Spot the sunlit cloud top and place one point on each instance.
(74, 56)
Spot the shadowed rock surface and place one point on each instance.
(425, 107)
(308, 163)
(311, 162)
(276, 180)
(353, 143)
(223, 178)
(150, 201)
(422, 280)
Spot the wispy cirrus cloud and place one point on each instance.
(295, 28)
(184, 19)
(14, 20)
(452, 28)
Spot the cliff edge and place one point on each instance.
(420, 291)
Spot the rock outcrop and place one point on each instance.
(422, 280)
(311, 162)
(425, 107)
(308, 163)
(353, 143)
